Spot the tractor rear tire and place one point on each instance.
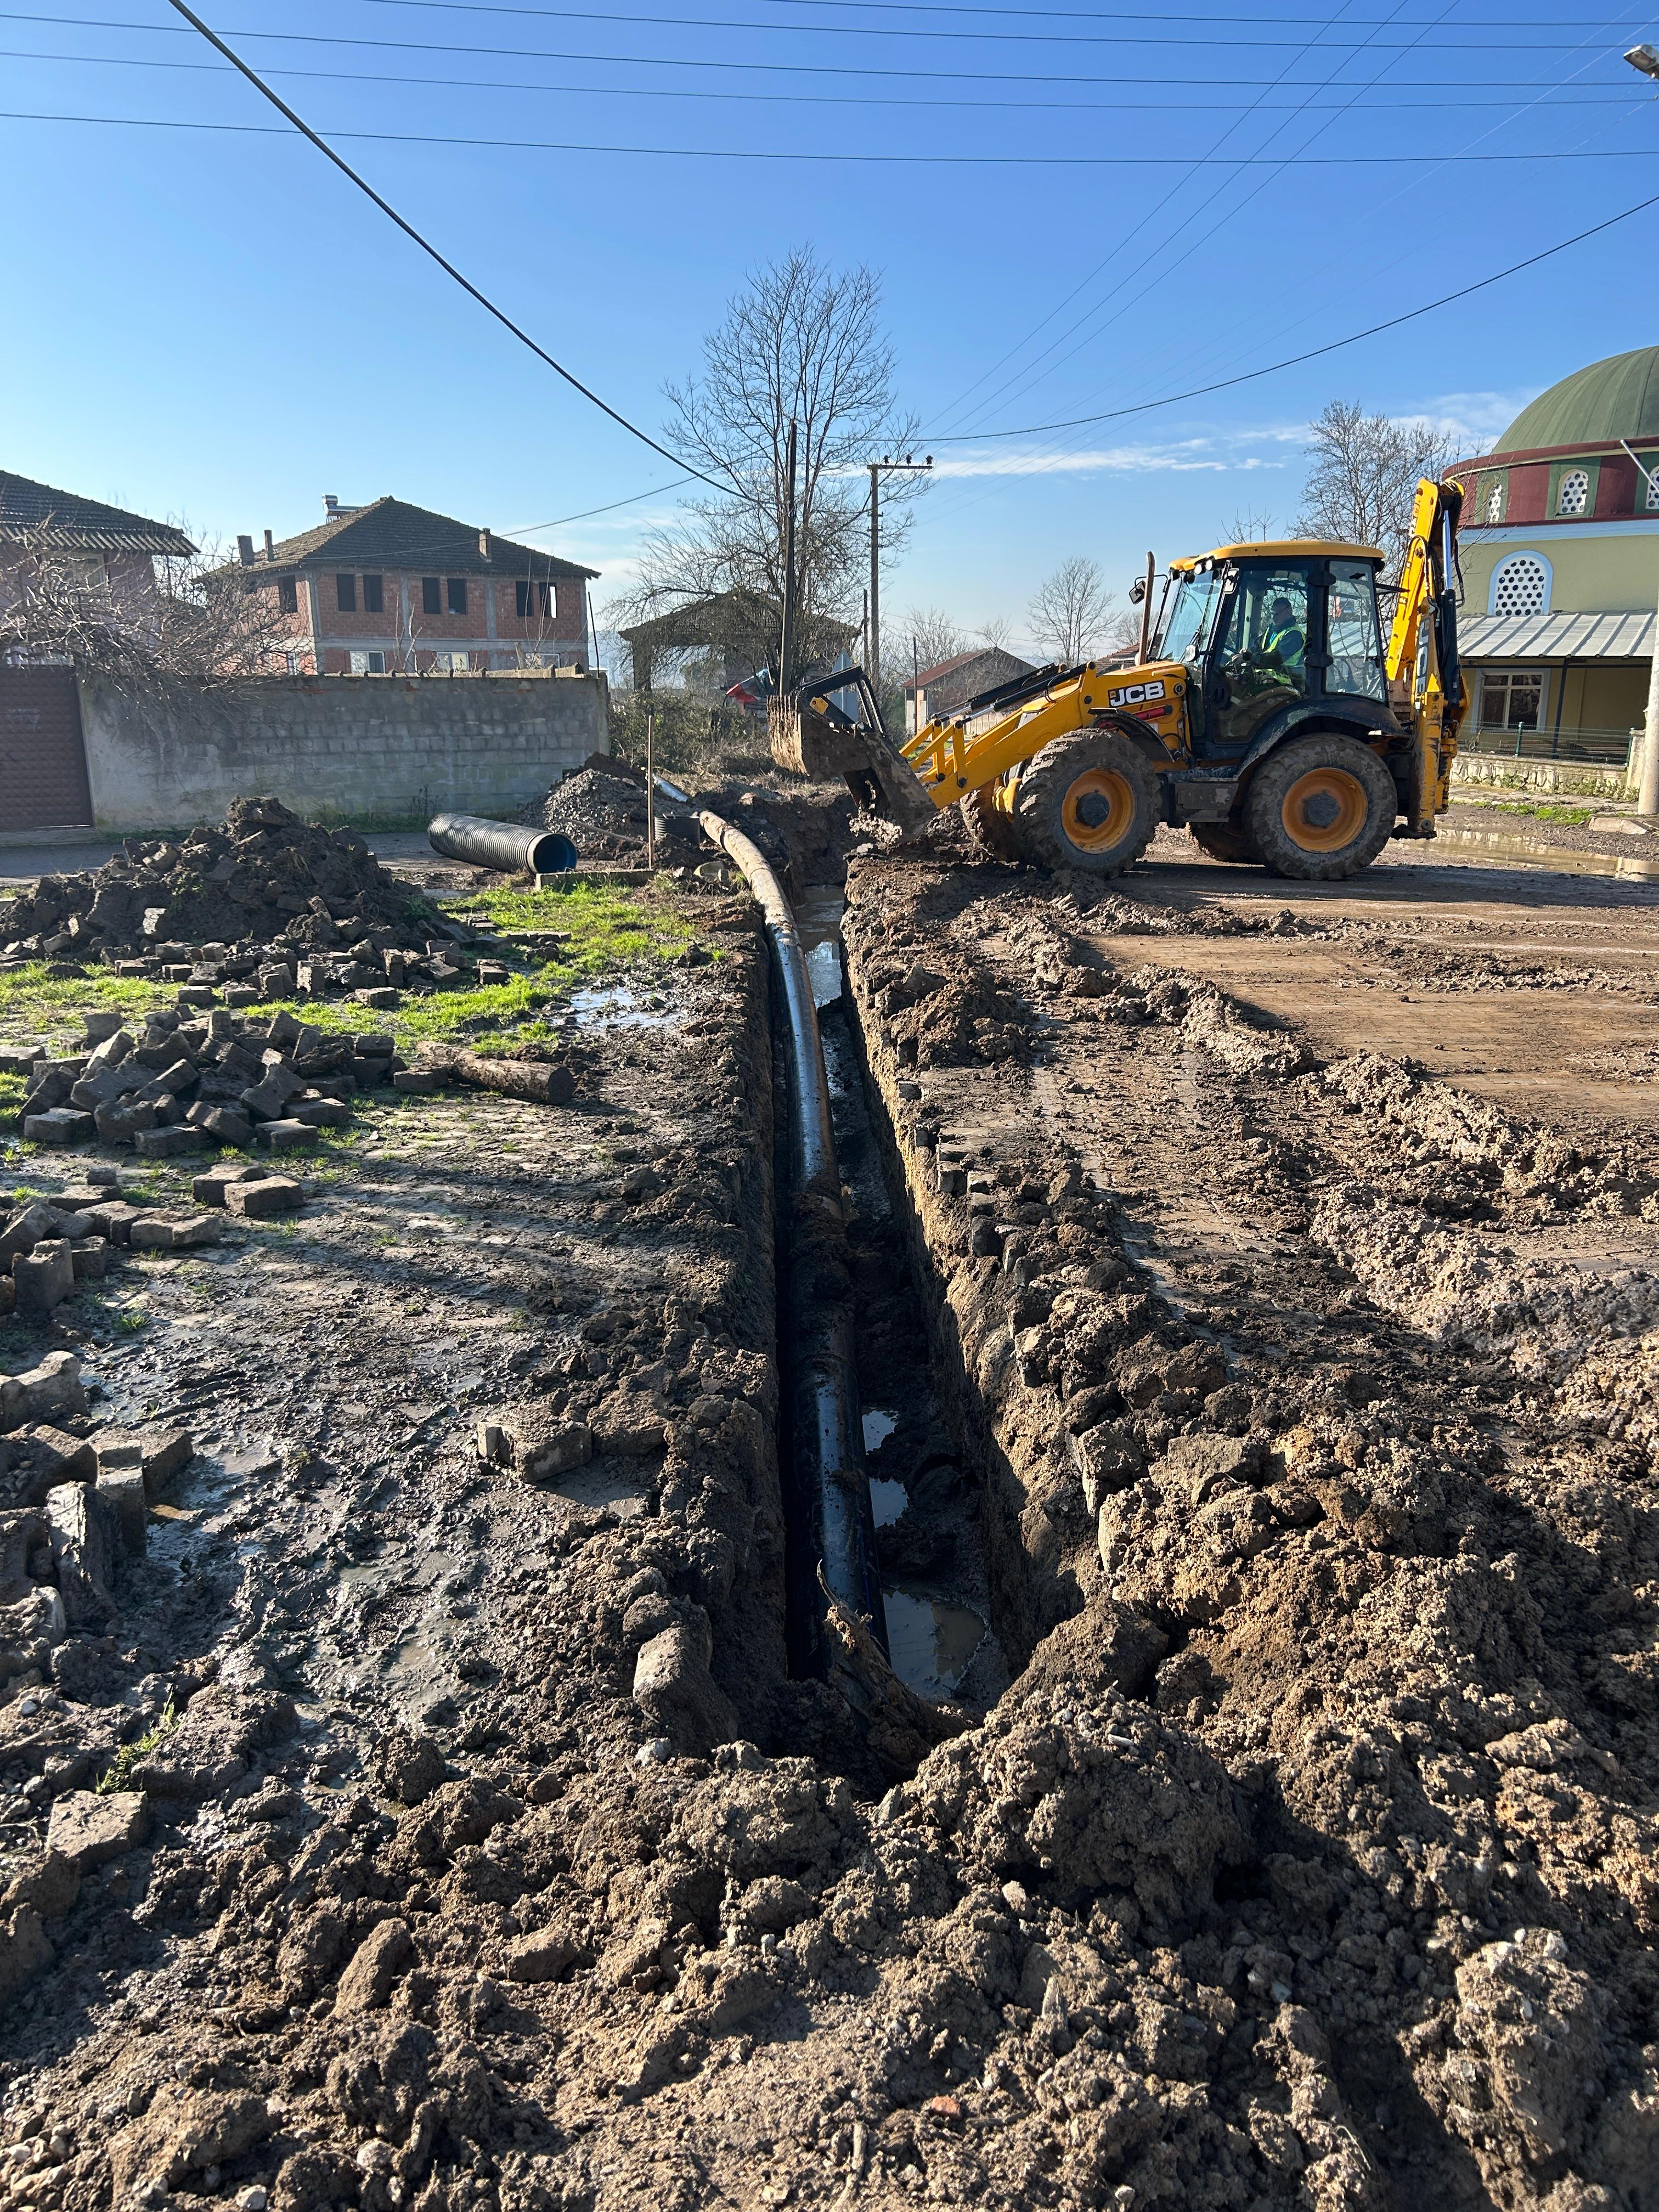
(1089, 801)
(1321, 808)
(990, 831)
(1226, 841)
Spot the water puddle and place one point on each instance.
(933, 1641)
(877, 1427)
(1524, 852)
(817, 925)
(888, 1500)
(619, 1006)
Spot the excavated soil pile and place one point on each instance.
(601, 807)
(261, 879)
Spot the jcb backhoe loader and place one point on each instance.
(1267, 716)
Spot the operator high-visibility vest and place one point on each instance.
(1289, 644)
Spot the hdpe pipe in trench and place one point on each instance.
(831, 1522)
(507, 847)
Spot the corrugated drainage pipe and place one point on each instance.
(831, 1524)
(507, 847)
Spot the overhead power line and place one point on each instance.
(448, 84)
(1313, 353)
(785, 154)
(1246, 35)
(427, 247)
(680, 64)
(1128, 16)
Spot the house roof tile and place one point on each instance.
(66, 518)
(391, 533)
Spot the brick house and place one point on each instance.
(946, 688)
(113, 550)
(389, 588)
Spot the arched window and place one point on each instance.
(1573, 497)
(1495, 500)
(1521, 585)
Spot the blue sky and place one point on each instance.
(212, 325)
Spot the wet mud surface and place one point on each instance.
(1262, 1419)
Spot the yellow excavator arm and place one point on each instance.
(1425, 680)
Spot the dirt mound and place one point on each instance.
(600, 806)
(262, 876)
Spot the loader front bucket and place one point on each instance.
(811, 735)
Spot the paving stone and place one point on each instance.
(417, 1080)
(261, 1200)
(101, 1025)
(83, 1552)
(112, 1220)
(102, 1086)
(48, 1392)
(240, 995)
(119, 1124)
(90, 1829)
(90, 1259)
(320, 1114)
(170, 1144)
(20, 1059)
(379, 996)
(59, 1125)
(115, 1450)
(43, 1457)
(167, 1452)
(226, 1124)
(122, 1490)
(208, 1189)
(286, 1136)
(42, 1279)
(197, 995)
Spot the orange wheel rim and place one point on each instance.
(1097, 810)
(1324, 810)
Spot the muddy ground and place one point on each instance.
(1257, 1281)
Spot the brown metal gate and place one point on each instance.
(43, 761)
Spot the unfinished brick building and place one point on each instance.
(391, 589)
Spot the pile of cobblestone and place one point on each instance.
(262, 881)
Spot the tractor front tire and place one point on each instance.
(1226, 841)
(1321, 808)
(1089, 801)
(990, 830)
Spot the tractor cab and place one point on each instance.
(1268, 632)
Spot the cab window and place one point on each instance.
(1355, 643)
(1263, 644)
(1186, 628)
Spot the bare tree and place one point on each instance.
(1249, 526)
(1071, 613)
(802, 343)
(994, 632)
(1364, 475)
(199, 626)
(924, 637)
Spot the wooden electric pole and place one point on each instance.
(787, 647)
(907, 466)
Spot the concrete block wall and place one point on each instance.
(378, 749)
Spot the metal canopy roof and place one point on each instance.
(1564, 636)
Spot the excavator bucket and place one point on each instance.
(814, 736)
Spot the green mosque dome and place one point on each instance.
(1611, 399)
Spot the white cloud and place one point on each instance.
(1191, 454)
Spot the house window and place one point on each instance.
(535, 599)
(457, 590)
(1521, 585)
(293, 664)
(368, 664)
(287, 595)
(1573, 496)
(345, 594)
(1495, 499)
(373, 600)
(1652, 499)
(453, 664)
(432, 595)
(1511, 699)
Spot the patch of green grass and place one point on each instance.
(118, 1772)
(1573, 818)
(131, 1320)
(34, 1003)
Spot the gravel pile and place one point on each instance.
(262, 877)
(600, 807)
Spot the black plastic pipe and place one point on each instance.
(507, 847)
(831, 1522)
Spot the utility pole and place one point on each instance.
(1647, 795)
(787, 647)
(907, 466)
